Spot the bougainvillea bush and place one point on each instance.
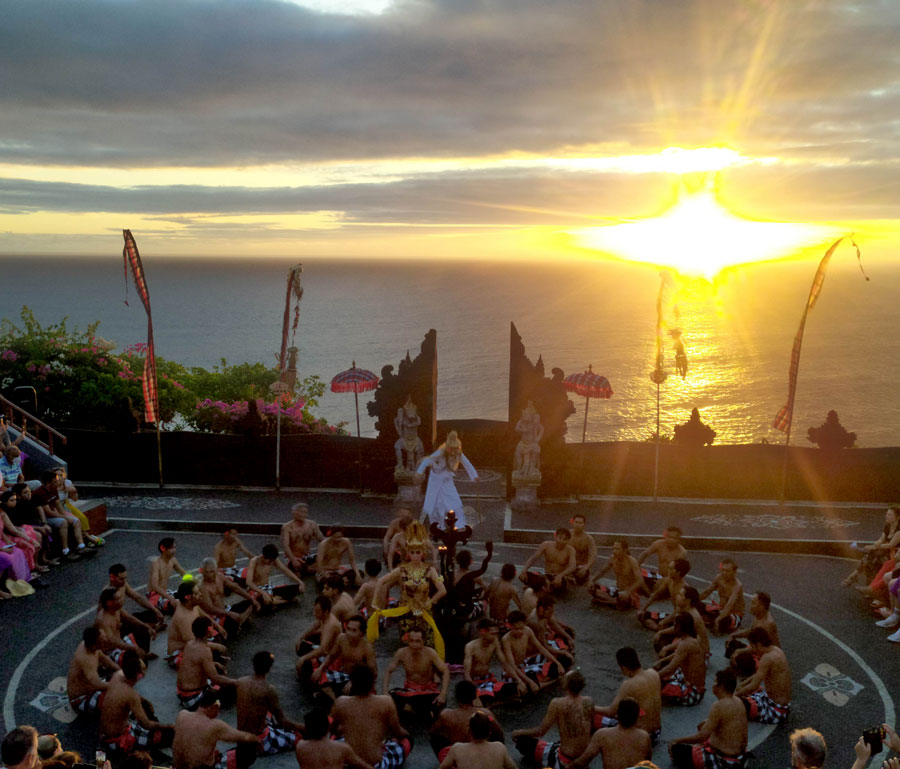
(81, 381)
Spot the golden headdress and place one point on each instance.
(416, 535)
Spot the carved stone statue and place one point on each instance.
(528, 450)
(407, 424)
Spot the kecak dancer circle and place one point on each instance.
(416, 578)
(441, 494)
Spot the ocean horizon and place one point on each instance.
(738, 332)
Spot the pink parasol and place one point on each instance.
(354, 380)
(590, 385)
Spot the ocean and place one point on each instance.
(738, 332)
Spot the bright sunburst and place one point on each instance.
(699, 237)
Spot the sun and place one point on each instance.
(699, 237)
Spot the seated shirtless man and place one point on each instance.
(124, 723)
(501, 592)
(666, 550)
(559, 560)
(187, 599)
(572, 715)
(259, 712)
(670, 587)
(198, 673)
(683, 675)
(198, 733)
(362, 601)
(161, 568)
(479, 753)
(333, 551)
(369, 723)
(296, 539)
(585, 547)
(342, 604)
(109, 622)
(531, 659)
(762, 617)
(225, 554)
(721, 741)
(626, 593)
(767, 694)
(477, 666)
(258, 574)
(144, 621)
(551, 632)
(318, 751)
(621, 746)
(212, 598)
(726, 611)
(84, 685)
(452, 725)
(420, 693)
(402, 518)
(318, 640)
(641, 685)
(350, 649)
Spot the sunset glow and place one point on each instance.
(699, 237)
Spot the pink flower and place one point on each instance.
(31, 367)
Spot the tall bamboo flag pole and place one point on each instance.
(785, 416)
(287, 358)
(132, 258)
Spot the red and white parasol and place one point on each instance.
(354, 380)
(590, 385)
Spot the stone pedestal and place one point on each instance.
(409, 485)
(526, 491)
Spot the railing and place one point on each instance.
(10, 409)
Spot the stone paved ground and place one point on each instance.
(844, 670)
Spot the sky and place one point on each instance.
(438, 128)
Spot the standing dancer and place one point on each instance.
(440, 494)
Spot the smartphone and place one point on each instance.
(874, 738)
(100, 759)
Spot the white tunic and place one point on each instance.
(441, 494)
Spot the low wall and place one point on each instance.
(625, 469)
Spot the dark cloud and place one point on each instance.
(194, 82)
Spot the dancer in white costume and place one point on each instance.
(441, 494)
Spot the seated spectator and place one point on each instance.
(808, 749)
(46, 500)
(11, 460)
(25, 538)
(13, 566)
(27, 514)
(68, 496)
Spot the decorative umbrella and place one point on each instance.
(354, 380)
(590, 385)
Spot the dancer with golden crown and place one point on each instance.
(416, 578)
(441, 494)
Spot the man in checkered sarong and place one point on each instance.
(452, 725)
(369, 723)
(161, 568)
(624, 744)
(477, 665)
(226, 551)
(125, 726)
(726, 611)
(420, 693)
(767, 694)
(259, 712)
(198, 733)
(351, 648)
(532, 660)
(84, 685)
(683, 674)
(721, 741)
